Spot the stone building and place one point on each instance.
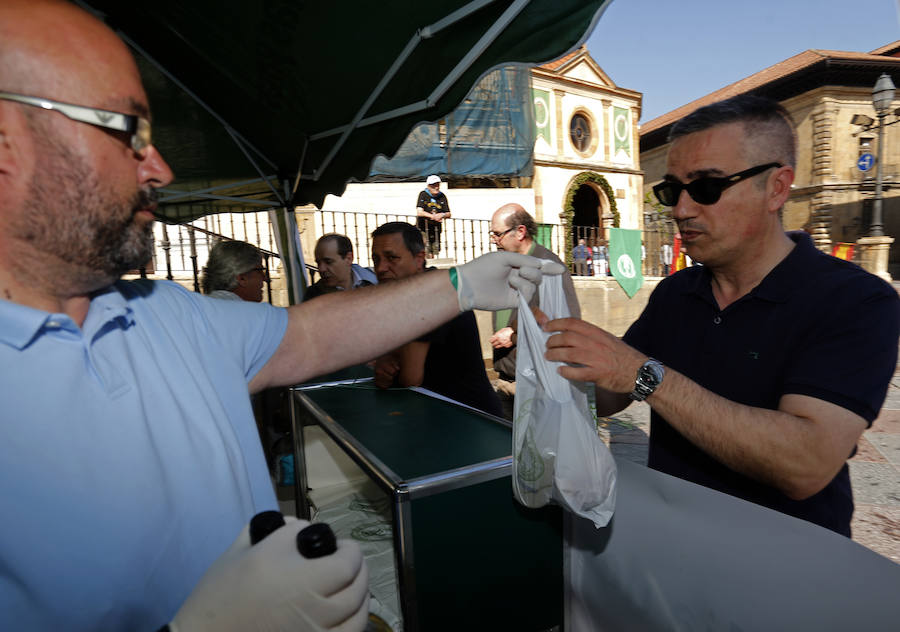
(585, 154)
(585, 157)
(586, 166)
(822, 90)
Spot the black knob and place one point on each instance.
(264, 523)
(316, 540)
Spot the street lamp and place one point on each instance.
(882, 97)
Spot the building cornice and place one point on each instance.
(587, 166)
(842, 186)
(623, 93)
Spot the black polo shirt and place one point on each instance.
(815, 325)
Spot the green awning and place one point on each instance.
(276, 103)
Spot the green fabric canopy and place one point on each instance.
(247, 94)
(273, 104)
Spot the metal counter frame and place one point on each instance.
(400, 491)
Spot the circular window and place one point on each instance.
(580, 133)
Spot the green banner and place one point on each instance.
(625, 259)
(622, 130)
(542, 114)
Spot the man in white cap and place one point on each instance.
(432, 208)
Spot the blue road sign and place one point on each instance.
(865, 162)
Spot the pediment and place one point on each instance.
(579, 65)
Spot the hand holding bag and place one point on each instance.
(558, 454)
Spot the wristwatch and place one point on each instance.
(649, 377)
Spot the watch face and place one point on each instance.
(649, 376)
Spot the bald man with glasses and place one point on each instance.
(130, 464)
(513, 229)
(763, 366)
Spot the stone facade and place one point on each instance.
(579, 91)
(584, 125)
(831, 196)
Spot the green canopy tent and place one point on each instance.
(271, 104)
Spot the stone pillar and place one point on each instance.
(820, 205)
(873, 255)
(606, 109)
(820, 220)
(306, 226)
(562, 127)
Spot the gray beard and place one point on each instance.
(71, 216)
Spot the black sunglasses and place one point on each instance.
(706, 190)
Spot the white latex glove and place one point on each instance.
(272, 587)
(494, 281)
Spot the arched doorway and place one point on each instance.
(590, 209)
(586, 218)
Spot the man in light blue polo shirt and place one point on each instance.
(129, 459)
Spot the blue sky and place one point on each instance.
(677, 51)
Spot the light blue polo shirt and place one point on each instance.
(129, 457)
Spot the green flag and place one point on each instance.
(622, 130)
(541, 114)
(625, 259)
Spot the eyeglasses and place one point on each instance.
(137, 126)
(706, 190)
(499, 236)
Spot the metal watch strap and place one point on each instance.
(655, 372)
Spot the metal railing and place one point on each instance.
(652, 240)
(181, 250)
(461, 239)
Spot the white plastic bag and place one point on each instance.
(558, 454)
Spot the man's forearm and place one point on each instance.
(609, 403)
(795, 453)
(346, 328)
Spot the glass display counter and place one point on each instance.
(467, 555)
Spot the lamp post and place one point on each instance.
(882, 97)
(874, 247)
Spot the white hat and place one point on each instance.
(433, 180)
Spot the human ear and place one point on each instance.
(12, 159)
(779, 189)
(16, 142)
(6, 151)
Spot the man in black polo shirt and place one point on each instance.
(767, 362)
(446, 360)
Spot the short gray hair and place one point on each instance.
(227, 260)
(768, 128)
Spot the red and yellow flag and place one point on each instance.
(843, 250)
